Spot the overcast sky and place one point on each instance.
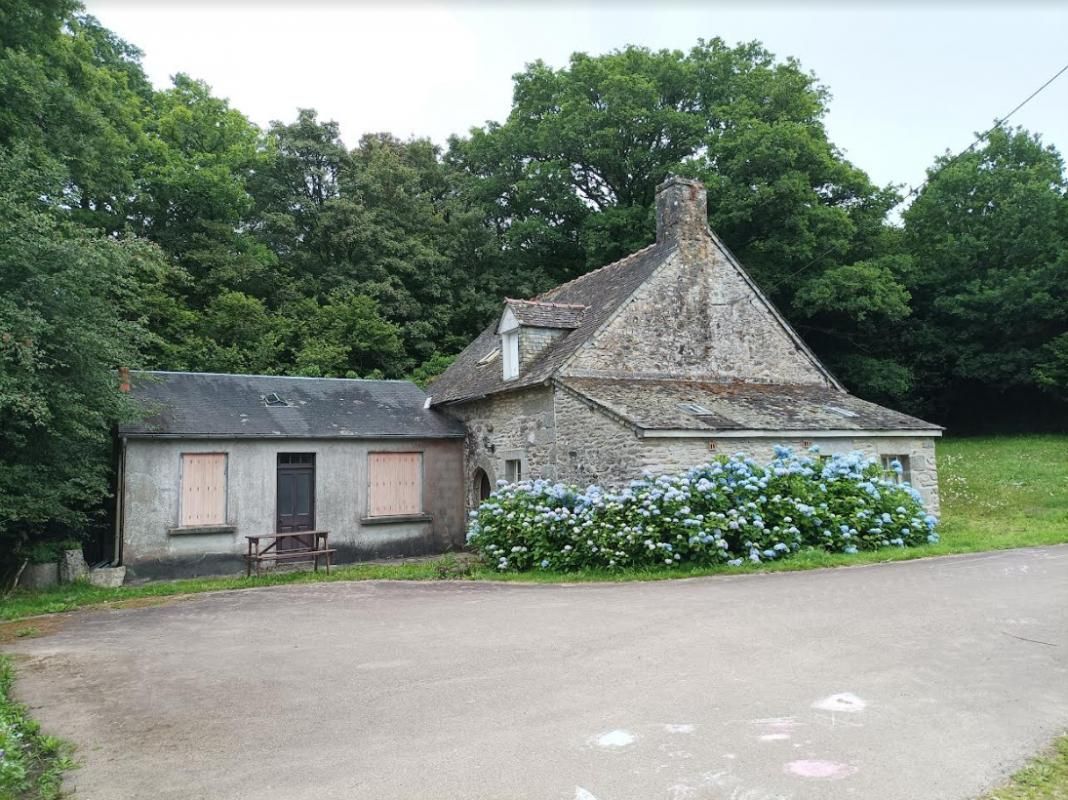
(907, 83)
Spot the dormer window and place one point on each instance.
(528, 328)
(510, 353)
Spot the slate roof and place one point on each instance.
(200, 404)
(539, 314)
(602, 290)
(660, 405)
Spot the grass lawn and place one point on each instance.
(1045, 778)
(997, 492)
(31, 763)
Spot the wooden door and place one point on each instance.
(296, 497)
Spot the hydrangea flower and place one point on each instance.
(722, 512)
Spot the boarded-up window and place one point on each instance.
(394, 484)
(203, 489)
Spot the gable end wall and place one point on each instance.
(696, 318)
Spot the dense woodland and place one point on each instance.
(162, 229)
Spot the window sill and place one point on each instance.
(201, 530)
(398, 518)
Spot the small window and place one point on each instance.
(513, 470)
(890, 463)
(296, 458)
(203, 489)
(394, 484)
(510, 353)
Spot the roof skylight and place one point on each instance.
(845, 412)
(490, 357)
(695, 409)
(274, 400)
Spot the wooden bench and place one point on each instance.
(302, 551)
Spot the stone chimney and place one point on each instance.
(681, 210)
(124, 380)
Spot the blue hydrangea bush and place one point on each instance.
(729, 511)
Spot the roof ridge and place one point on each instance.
(709, 381)
(257, 375)
(548, 303)
(599, 269)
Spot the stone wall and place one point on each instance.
(696, 318)
(532, 341)
(154, 545)
(674, 455)
(556, 435)
(511, 425)
(593, 447)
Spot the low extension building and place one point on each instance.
(658, 362)
(221, 457)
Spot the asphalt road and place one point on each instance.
(928, 679)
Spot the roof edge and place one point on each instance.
(321, 437)
(778, 315)
(669, 249)
(778, 433)
(271, 377)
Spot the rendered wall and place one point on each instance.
(154, 546)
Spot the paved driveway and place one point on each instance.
(929, 679)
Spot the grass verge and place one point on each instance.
(1045, 778)
(31, 763)
(997, 492)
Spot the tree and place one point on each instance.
(68, 317)
(348, 338)
(988, 239)
(72, 91)
(568, 183)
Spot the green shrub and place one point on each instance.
(48, 551)
(727, 511)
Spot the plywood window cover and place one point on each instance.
(394, 484)
(203, 490)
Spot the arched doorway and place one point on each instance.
(481, 486)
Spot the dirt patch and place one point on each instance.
(147, 602)
(30, 628)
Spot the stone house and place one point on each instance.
(658, 362)
(221, 457)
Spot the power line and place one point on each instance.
(997, 124)
(916, 190)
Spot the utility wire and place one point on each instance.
(916, 190)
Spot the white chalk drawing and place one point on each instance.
(617, 738)
(845, 702)
(819, 769)
(583, 794)
(776, 729)
(680, 728)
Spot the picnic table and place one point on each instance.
(290, 546)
